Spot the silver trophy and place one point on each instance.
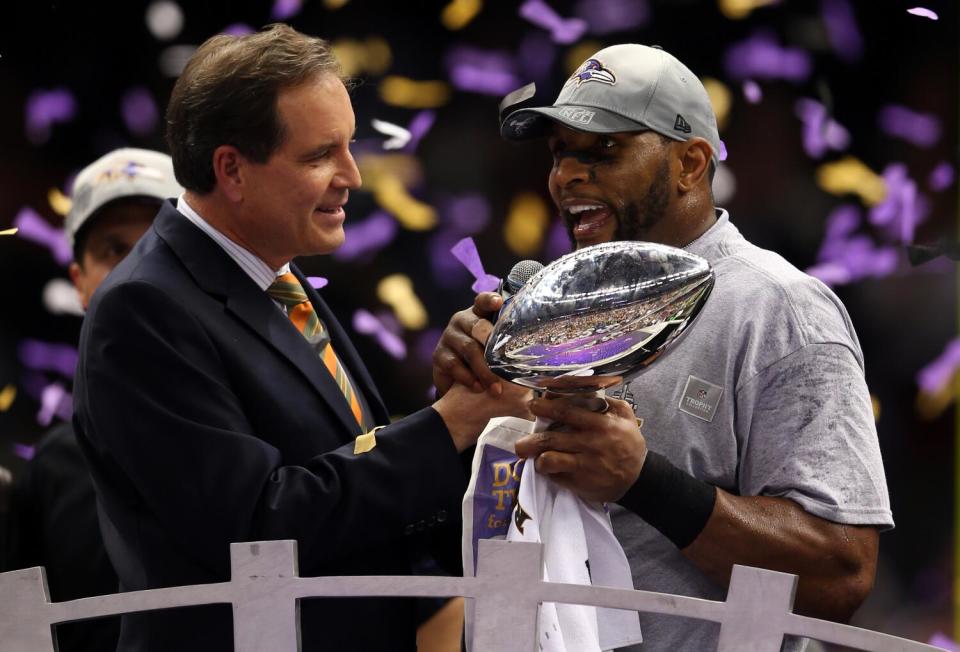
(597, 316)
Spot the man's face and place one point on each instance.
(110, 236)
(293, 203)
(612, 186)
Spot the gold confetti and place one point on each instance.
(849, 175)
(12, 231)
(720, 99)
(875, 402)
(739, 9)
(397, 292)
(459, 13)
(366, 442)
(526, 223)
(388, 176)
(7, 396)
(930, 405)
(333, 5)
(411, 94)
(58, 201)
(578, 54)
(372, 57)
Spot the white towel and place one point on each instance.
(573, 533)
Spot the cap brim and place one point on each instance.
(529, 123)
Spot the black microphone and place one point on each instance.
(516, 279)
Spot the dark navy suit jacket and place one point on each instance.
(208, 419)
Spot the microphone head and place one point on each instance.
(521, 273)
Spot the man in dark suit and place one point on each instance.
(218, 399)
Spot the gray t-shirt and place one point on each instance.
(763, 395)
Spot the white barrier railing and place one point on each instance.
(265, 587)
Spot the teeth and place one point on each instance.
(576, 210)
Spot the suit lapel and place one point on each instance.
(217, 274)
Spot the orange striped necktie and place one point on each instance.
(287, 290)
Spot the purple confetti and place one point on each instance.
(562, 30)
(55, 401)
(139, 111)
(367, 237)
(466, 252)
(842, 30)
(938, 373)
(46, 356)
(943, 641)
(418, 128)
(536, 55)
(447, 270)
(426, 343)
(389, 321)
(762, 57)
(317, 282)
(45, 109)
(468, 214)
(608, 16)
(23, 451)
(491, 72)
(722, 154)
(237, 29)
(903, 207)
(941, 177)
(855, 259)
(284, 9)
(752, 92)
(558, 241)
(367, 324)
(923, 12)
(920, 129)
(34, 228)
(820, 132)
(842, 222)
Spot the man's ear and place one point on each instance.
(79, 279)
(228, 165)
(695, 159)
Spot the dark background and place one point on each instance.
(100, 50)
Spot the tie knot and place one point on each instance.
(287, 290)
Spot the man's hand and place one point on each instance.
(458, 357)
(597, 456)
(466, 412)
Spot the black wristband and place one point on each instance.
(671, 500)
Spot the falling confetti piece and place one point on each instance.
(55, 401)
(527, 220)
(139, 111)
(367, 324)
(491, 72)
(738, 9)
(237, 29)
(371, 56)
(333, 5)
(903, 207)
(720, 99)
(562, 30)
(842, 29)
(938, 373)
(45, 109)
(285, 9)
(47, 356)
(459, 13)
(942, 640)
(410, 94)
(923, 12)
(920, 129)
(466, 252)
(317, 282)
(60, 298)
(59, 202)
(34, 228)
(23, 451)
(418, 128)
(941, 177)
(164, 19)
(752, 92)
(413, 214)
(9, 231)
(821, 132)
(850, 175)
(367, 237)
(609, 16)
(397, 292)
(398, 136)
(7, 397)
(762, 57)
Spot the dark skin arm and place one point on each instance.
(599, 457)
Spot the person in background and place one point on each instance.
(759, 445)
(53, 517)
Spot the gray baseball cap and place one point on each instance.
(127, 172)
(626, 87)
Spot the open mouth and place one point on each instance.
(586, 218)
(333, 211)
